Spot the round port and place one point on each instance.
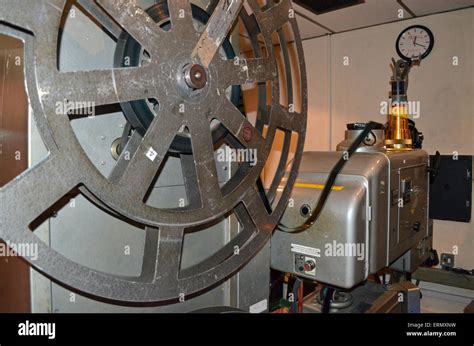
(309, 265)
(305, 210)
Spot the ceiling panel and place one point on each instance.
(309, 29)
(424, 7)
(371, 12)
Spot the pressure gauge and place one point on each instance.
(415, 42)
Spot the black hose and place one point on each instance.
(330, 181)
(328, 294)
(294, 291)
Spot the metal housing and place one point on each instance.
(379, 205)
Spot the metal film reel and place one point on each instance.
(189, 78)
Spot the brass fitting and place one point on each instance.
(398, 135)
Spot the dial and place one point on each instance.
(415, 42)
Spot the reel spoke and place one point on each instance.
(206, 171)
(43, 186)
(219, 25)
(124, 159)
(272, 19)
(162, 255)
(101, 87)
(144, 163)
(101, 16)
(150, 254)
(190, 181)
(134, 20)
(181, 16)
(239, 241)
(282, 118)
(244, 131)
(256, 208)
(170, 245)
(246, 71)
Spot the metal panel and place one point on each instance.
(413, 215)
(374, 167)
(451, 191)
(413, 258)
(343, 222)
(402, 239)
(362, 200)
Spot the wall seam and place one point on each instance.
(329, 76)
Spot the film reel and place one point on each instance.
(190, 80)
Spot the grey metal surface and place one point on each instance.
(411, 260)
(122, 193)
(374, 167)
(375, 141)
(411, 165)
(343, 221)
(363, 209)
(413, 297)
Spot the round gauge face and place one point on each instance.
(415, 42)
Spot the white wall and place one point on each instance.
(341, 94)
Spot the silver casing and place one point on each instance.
(378, 214)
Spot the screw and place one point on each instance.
(247, 133)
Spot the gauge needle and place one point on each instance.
(216, 31)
